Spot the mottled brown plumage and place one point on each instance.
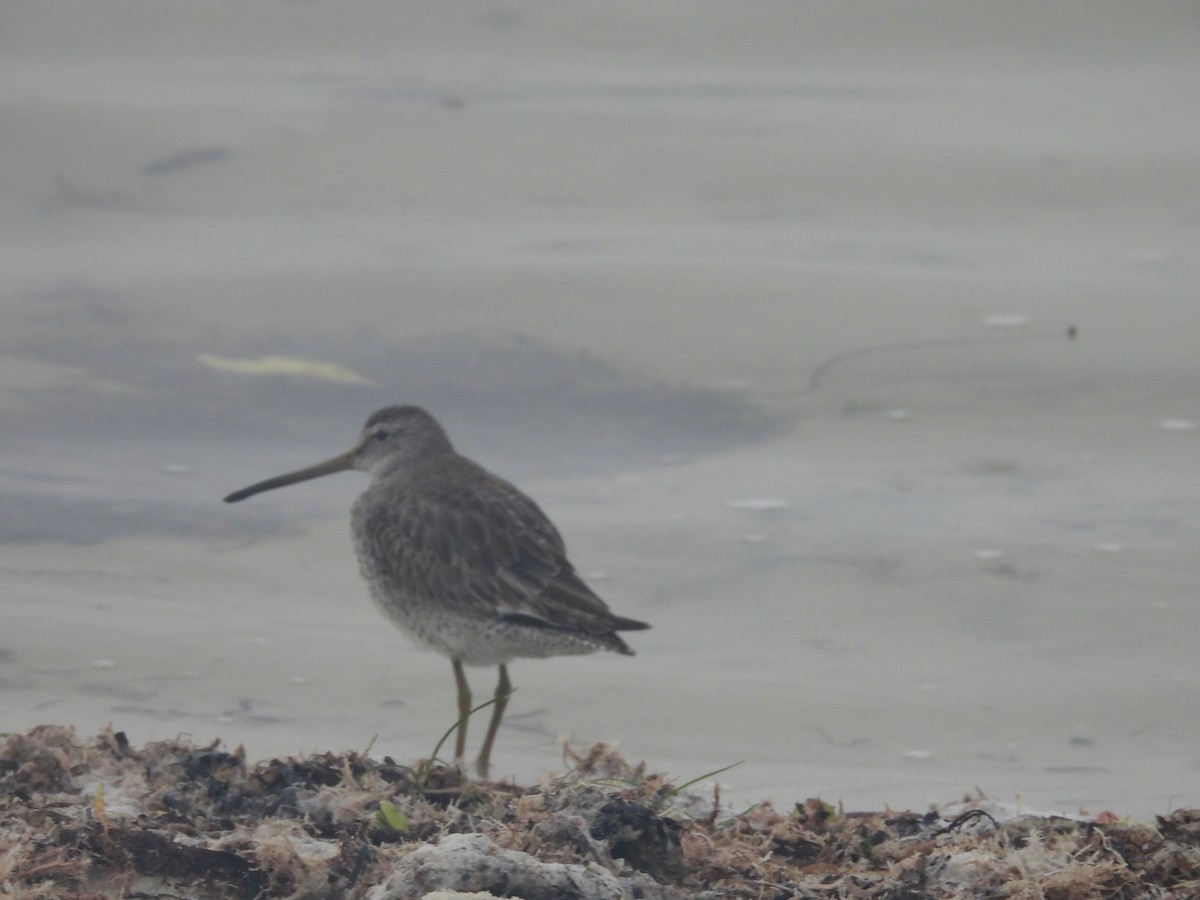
(461, 559)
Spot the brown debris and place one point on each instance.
(99, 818)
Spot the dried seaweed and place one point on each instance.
(99, 818)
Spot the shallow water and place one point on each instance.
(769, 312)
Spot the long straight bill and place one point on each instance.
(339, 463)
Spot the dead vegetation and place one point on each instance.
(100, 818)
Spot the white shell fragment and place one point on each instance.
(1006, 320)
(1177, 425)
(989, 553)
(759, 504)
(283, 365)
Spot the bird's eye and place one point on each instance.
(380, 434)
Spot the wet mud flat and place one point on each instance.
(96, 817)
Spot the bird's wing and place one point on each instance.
(480, 546)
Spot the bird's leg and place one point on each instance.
(464, 710)
(503, 689)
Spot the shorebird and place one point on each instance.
(460, 559)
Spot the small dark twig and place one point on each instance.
(960, 821)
